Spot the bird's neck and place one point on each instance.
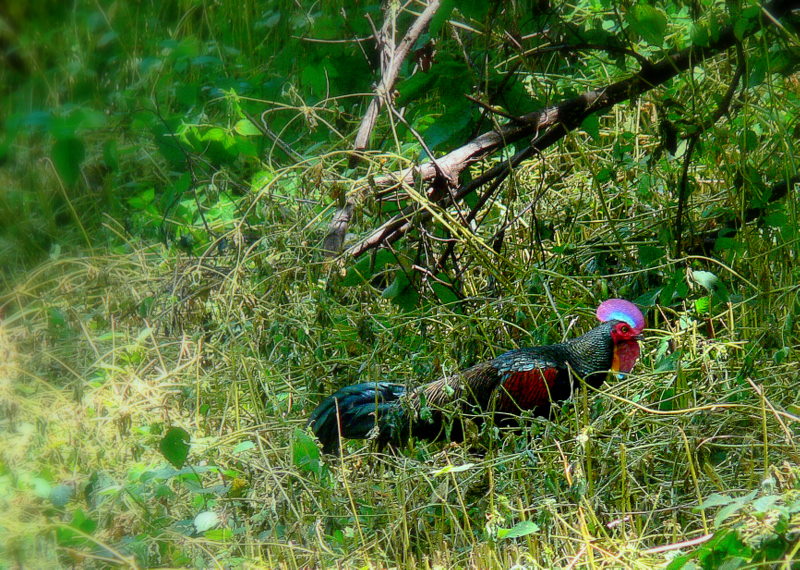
(592, 352)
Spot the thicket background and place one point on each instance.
(171, 310)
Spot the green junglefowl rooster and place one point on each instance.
(518, 380)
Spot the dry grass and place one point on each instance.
(104, 353)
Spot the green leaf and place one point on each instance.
(367, 266)
(314, 77)
(523, 528)
(60, 495)
(305, 453)
(780, 355)
(705, 279)
(648, 299)
(591, 125)
(447, 129)
(397, 286)
(206, 521)
(777, 219)
(702, 305)
(649, 254)
(441, 16)
(407, 299)
(414, 86)
(648, 22)
(243, 446)
(174, 446)
(674, 288)
(763, 504)
(669, 362)
(246, 128)
(142, 199)
(452, 469)
(699, 34)
(714, 500)
(445, 294)
(72, 535)
(746, 21)
(68, 154)
(111, 154)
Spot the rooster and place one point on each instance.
(518, 380)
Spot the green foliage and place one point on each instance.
(649, 22)
(168, 173)
(762, 534)
(305, 452)
(174, 446)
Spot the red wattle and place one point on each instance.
(625, 355)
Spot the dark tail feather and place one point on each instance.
(357, 407)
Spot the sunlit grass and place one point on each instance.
(108, 338)
(105, 353)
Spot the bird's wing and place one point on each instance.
(529, 378)
(467, 385)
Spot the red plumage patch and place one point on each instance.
(527, 389)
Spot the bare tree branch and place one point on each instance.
(389, 75)
(545, 127)
(391, 60)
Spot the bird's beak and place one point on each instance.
(639, 336)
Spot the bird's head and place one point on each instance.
(622, 331)
(627, 323)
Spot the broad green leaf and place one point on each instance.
(408, 299)
(72, 535)
(314, 78)
(648, 299)
(746, 21)
(60, 495)
(445, 294)
(367, 266)
(780, 355)
(447, 129)
(441, 16)
(111, 154)
(305, 453)
(591, 125)
(397, 286)
(246, 128)
(763, 504)
(206, 521)
(142, 199)
(414, 86)
(726, 512)
(714, 500)
(698, 32)
(243, 446)
(649, 22)
(702, 305)
(174, 446)
(649, 254)
(218, 534)
(523, 528)
(705, 279)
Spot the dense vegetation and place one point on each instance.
(190, 259)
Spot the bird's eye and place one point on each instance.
(624, 328)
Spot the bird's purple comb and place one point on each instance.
(621, 310)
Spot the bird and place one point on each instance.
(519, 380)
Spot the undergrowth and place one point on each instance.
(106, 354)
(168, 319)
